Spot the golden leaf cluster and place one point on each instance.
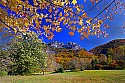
(49, 16)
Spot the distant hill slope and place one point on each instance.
(56, 47)
(102, 49)
(69, 54)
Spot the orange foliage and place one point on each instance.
(26, 15)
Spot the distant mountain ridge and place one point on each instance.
(68, 45)
(102, 49)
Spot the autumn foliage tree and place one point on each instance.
(49, 16)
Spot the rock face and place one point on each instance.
(56, 44)
(69, 45)
(102, 49)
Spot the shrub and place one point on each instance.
(120, 64)
(3, 73)
(113, 66)
(59, 70)
(98, 66)
(82, 69)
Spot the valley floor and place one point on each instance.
(87, 76)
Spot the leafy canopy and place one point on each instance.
(26, 55)
(49, 16)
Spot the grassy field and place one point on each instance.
(87, 76)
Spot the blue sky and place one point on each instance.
(114, 31)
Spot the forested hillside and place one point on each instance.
(115, 48)
(108, 56)
(69, 56)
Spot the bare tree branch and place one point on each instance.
(94, 6)
(6, 24)
(103, 10)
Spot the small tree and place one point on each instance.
(76, 63)
(94, 62)
(4, 62)
(73, 65)
(3, 59)
(109, 59)
(27, 55)
(120, 64)
(113, 65)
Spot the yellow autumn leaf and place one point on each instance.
(50, 35)
(48, 20)
(85, 34)
(65, 10)
(89, 31)
(47, 31)
(71, 33)
(26, 24)
(41, 16)
(65, 22)
(5, 1)
(50, 9)
(74, 2)
(62, 3)
(60, 14)
(95, 32)
(19, 1)
(89, 21)
(81, 22)
(19, 36)
(59, 29)
(95, 26)
(84, 15)
(100, 22)
(70, 22)
(15, 30)
(45, 27)
(80, 30)
(35, 2)
(78, 9)
(53, 29)
(73, 28)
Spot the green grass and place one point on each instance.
(87, 76)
